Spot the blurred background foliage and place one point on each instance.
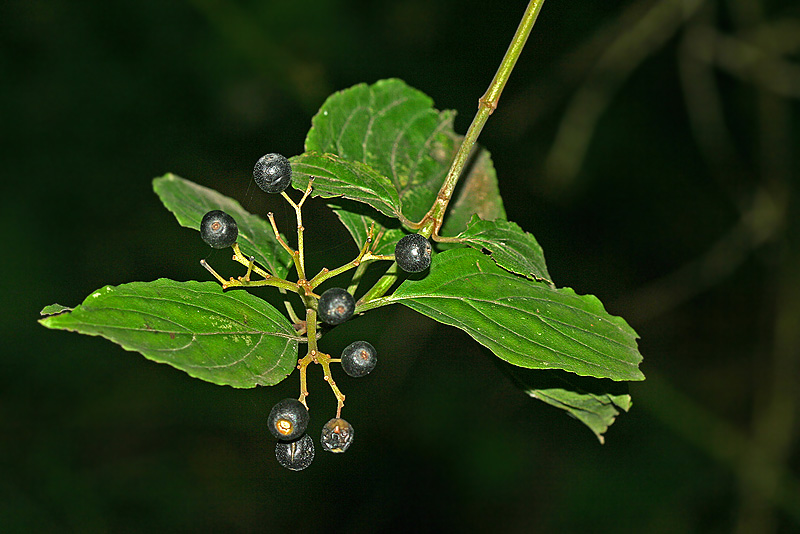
(651, 147)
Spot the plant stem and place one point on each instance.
(374, 303)
(314, 355)
(269, 280)
(432, 221)
(380, 288)
(325, 273)
(290, 310)
(303, 363)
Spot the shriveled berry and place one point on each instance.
(413, 253)
(218, 229)
(273, 173)
(295, 455)
(288, 419)
(337, 435)
(336, 306)
(359, 358)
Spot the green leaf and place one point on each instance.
(394, 129)
(336, 177)
(526, 323)
(510, 247)
(477, 193)
(189, 201)
(54, 309)
(228, 338)
(595, 403)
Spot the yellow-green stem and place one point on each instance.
(303, 363)
(432, 221)
(314, 355)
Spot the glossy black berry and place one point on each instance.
(295, 455)
(288, 419)
(337, 435)
(273, 173)
(359, 358)
(336, 306)
(218, 229)
(413, 253)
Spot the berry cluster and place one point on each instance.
(288, 420)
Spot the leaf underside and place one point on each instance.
(336, 177)
(598, 412)
(596, 403)
(231, 338)
(189, 201)
(477, 194)
(510, 247)
(54, 309)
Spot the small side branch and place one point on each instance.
(315, 356)
(298, 255)
(364, 256)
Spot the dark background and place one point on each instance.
(651, 147)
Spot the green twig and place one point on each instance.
(432, 222)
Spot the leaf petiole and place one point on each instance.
(366, 305)
(356, 280)
(380, 288)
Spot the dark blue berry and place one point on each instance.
(218, 229)
(295, 455)
(336, 306)
(337, 435)
(413, 253)
(288, 419)
(359, 358)
(273, 173)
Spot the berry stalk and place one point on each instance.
(298, 256)
(245, 281)
(364, 257)
(432, 221)
(314, 355)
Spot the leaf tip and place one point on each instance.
(54, 309)
(165, 178)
